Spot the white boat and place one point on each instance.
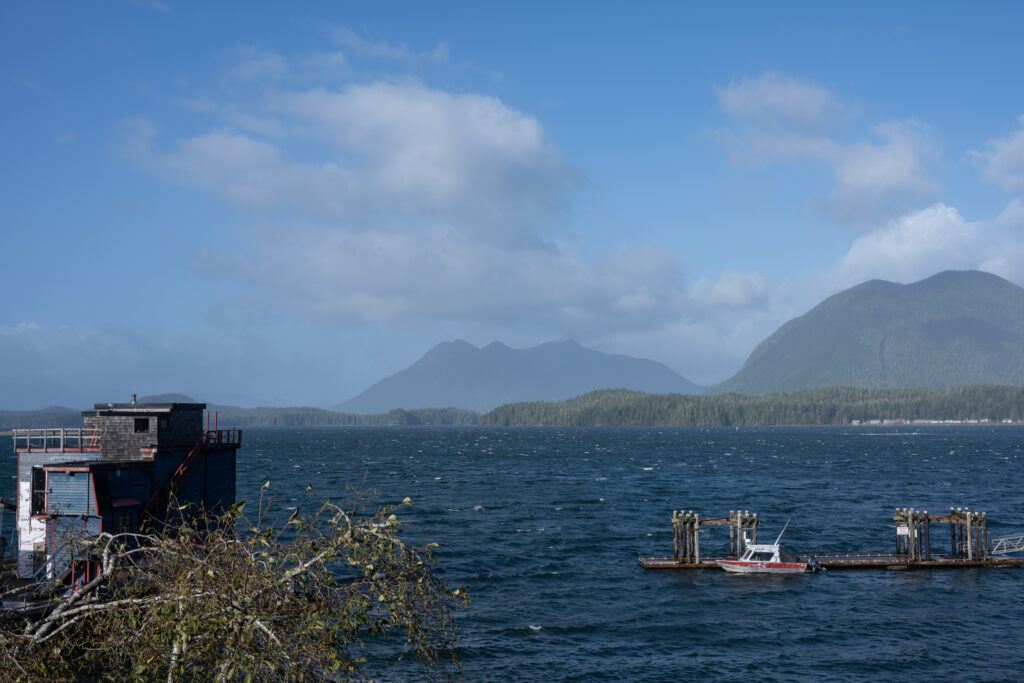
(765, 558)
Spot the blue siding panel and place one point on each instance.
(70, 493)
(220, 480)
(62, 537)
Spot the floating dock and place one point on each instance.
(970, 545)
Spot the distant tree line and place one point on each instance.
(620, 407)
(825, 406)
(317, 417)
(47, 417)
(261, 417)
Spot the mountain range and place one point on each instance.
(458, 374)
(955, 328)
(952, 329)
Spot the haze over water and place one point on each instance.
(544, 525)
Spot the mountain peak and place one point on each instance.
(459, 375)
(953, 328)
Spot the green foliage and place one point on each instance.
(296, 598)
(826, 406)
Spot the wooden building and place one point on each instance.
(115, 474)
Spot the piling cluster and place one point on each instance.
(686, 528)
(968, 533)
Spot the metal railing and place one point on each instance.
(59, 439)
(223, 437)
(1004, 545)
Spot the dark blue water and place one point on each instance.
(544, 525)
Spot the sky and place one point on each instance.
(267, 203)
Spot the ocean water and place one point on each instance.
(544, 527)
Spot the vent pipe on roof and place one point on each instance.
(133, 399)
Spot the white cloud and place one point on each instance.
(328, 64)
(875, 180)
(257, 65)
(1003, 160)
(394, 201)
(244, 171)
(732, 290)
(368, 49)
(774, 101)
(350, 278)
(388, 154)
(78, 365)
(914, 247)
(781, 119)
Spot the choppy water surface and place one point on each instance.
(544, 525)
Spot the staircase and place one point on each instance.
(160, 497)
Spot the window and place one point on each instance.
(141, 425)
(163, 423)
(124, 523)
(38, 491)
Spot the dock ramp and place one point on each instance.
(1004, 545)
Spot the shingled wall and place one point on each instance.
(124, 431)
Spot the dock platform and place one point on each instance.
(969, 543)
(842, 561)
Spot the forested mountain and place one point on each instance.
(952, 329)
(827, 406)
(461, 375)
(55, 416)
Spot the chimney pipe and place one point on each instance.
(133, 399)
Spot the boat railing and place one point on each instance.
(57, 439)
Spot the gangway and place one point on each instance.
(1005, 545)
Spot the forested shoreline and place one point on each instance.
(825, 406)
(620, 407)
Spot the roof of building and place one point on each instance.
(141, 408)
(90, 465)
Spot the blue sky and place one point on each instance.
(260, 203)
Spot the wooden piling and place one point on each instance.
(733, 527)
(969, 542)
(984, 533)
(696, 539)
(927, 538)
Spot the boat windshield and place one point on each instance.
(761, 557)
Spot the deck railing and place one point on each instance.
(228, 438)
(80, 440)
(62, 439)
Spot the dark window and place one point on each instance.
(141, 425)
(163, 423)
(124, 523)
(38, 491)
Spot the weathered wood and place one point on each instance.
(982, 535)
(969, 530)
(732, 528)
(675, 535)
(696, 539)
(927, 537)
